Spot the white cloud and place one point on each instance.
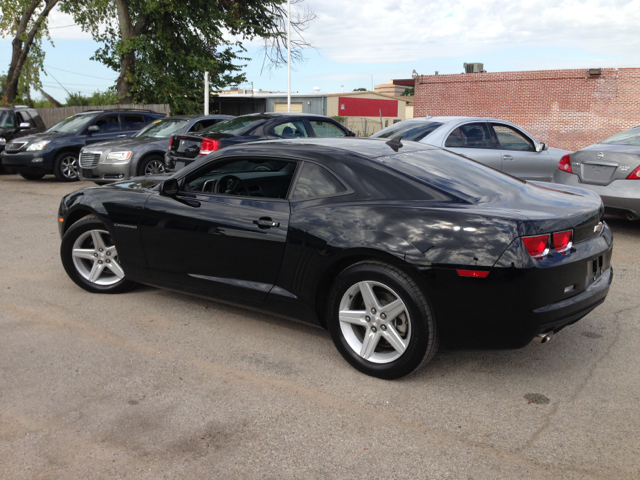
(383, 31)
(62, 26)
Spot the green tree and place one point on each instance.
(360, 89)
(407, 92)
(162, 48)
(25, 22)
(108, 97)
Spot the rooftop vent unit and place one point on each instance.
(473, 67)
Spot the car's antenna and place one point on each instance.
(395, 143)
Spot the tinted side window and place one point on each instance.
(326, 129)
(315, 181)
(134, 121)
(294, 129)
(108, 123)
(471, 135)
(23, 117)
(511, 139)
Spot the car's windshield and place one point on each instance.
(163, 128)
(73, 123)
(409, 130)
(630, 137)
(6, 119)
(234, 125)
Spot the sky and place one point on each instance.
(361, 44)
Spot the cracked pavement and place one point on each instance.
(157, 384)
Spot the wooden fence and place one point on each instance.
(51, 116)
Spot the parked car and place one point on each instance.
(16, 122)
(391, 247)
(185, 149)
(56, 150)
(142, 154)
(496, 143)
(610, 168)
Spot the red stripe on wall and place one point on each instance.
(366, 107)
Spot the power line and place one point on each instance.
(76, 73)
(56, 81)
(64, 26)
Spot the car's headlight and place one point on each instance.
(118, 157)
(38, 145)
(3, 141)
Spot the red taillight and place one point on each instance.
(170, 142)
(562, 241)
(209, 146)
(473, 273)
(565, 164)
(635, 175)
(537, 246)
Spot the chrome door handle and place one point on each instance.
(507, 157)
(120, 136)
(266, 223)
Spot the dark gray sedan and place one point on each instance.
(610, 168)
(142, 154)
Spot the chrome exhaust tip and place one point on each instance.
(543, 337)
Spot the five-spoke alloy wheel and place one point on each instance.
(380, 320)
(91, 259)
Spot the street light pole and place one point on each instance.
(289, 56)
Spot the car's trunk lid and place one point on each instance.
(602, 164)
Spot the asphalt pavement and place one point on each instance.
(154, 384)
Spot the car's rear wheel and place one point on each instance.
(152, 165)
(380, 320)
(32, 176)
(65, 167)
(91, 259)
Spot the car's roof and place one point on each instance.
(455, 119)
(282, 114)
(193, 117)
(366, 147)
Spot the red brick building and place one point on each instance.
(567, 109)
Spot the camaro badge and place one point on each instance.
(598, 228)
(600, 154)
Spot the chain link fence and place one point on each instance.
(364, 126)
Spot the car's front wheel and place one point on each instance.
(91, 259)
(152, 165)
(65, 167)
(380, 320)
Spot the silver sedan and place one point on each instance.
(496, 143)
(610, 168)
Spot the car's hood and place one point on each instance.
(604, 147)
(36, 137)
(127, 143)
(140, 183)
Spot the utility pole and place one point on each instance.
(289, 56)
(206, 93)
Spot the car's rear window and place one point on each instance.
(451, 173)
(409, 130)
(630, 137)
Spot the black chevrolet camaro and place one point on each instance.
(393, 248)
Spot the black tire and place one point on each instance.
(153, 163)
(32, 176)
(415, 325)
(65, 167)
(80, 236)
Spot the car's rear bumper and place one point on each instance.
(512, 306)
(619, 195)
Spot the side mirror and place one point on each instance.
(93, 129)
(24, 126)
(351, 134)
(541, 147)
(169, 187)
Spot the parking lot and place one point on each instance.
(157, 384)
